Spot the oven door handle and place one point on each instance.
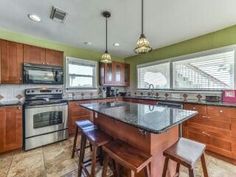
(46, 105)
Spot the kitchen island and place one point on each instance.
(149, 128)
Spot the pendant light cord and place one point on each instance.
(142, 17)
(106, 35)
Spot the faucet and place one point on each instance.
(151, 88)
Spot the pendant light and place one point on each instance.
(106, 57)
(142, 45)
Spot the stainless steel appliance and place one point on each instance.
(42, 74)
(45, 117)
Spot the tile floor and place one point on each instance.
(55, 161)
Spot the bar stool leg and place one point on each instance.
(81, 156)
(177, 169)
(94, 157)
(191, 172)
(105, 165)
(75, 142)
(147, 171)
(203, 161)
(165, 167)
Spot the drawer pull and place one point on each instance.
(204, 133)
(205, 117)
(221, 111)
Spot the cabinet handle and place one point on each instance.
(20, 79)
(221, 111)
(205, 117)
(19, 108)
(204, 133)
(194, 108)
(43, 63)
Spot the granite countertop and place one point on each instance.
(153, 119)
(181, 100)
(90, 98)
(10, 103)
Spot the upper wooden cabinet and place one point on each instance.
(33, 54)
(114, 74)
(11, 62)
(54, 57)
(10, 128)
(38, 55)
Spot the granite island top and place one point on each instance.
(150, 118)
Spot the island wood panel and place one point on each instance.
(10, 128)
(142, 101)
(34, 55)
(11, 62)
(54, 57)
(153, 144)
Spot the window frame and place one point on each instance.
(84, 62)
(186, 57)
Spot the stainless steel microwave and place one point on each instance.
(42, 74)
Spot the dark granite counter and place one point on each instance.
(91, 98)
(179, 100)
(153, 119)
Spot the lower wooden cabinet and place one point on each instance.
(142, 101)
(213, 126)
(10, 128)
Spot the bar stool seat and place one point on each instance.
(97, 139)
(185, 152)
(81, 125)
(126, 156)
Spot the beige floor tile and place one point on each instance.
(5, 163)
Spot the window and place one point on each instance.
(214, 71)
(207, 70)
(81, 73)
(158, 75)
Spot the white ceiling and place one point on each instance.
(166, 21)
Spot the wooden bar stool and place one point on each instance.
(185, 152)
(97, 139)
(80, 126)
(126, 156)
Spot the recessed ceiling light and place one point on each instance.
(88, 43)
(116, 44)
(34, 17)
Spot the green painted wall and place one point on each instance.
(68, 50)
(212, 40)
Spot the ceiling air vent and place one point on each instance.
(58, 15)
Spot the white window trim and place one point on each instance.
(85, 61)
(192, 56)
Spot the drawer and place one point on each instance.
(212, 142)
(211, 122)
(201, 109)
(219, 112)
(233, 129)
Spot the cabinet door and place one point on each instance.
(108, 80)
(12, 60)
(33, 54)
(54, 57)
(127, 74)
(10, 128)
(118, 73)
(76, 112)
(0, 59)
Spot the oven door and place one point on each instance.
(39, 74)
(43, 119)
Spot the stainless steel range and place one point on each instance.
(45, 117)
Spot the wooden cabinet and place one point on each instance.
(11, 62)
(54, 57)
(38, 55)
(33, 54)
(141, 101)
(10, 128)
(213, 126)
(76, 112)
(114, 74)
